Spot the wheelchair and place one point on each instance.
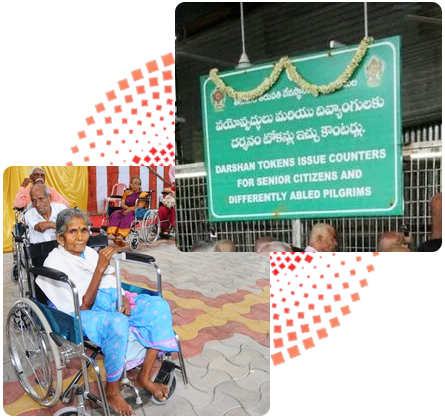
(146, 225)
(20, 241)
(42, 340)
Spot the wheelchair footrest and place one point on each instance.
(131, 400)
(164, 373)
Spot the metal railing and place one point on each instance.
(422, 169)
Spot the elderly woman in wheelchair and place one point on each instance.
(142, 317)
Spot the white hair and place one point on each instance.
(46, 190)
(275, 246)
(35, 169)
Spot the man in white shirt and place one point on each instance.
(323, 239)
(41, 219)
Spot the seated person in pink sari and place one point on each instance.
(120, 221)
(167, 215)
(36, 176)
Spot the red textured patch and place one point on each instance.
(310, 295)
(134, 125)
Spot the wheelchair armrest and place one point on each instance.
(140, 258)
(50, 273)
(96, 229)
(115, 197)
(19, 209)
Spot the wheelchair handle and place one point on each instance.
(50, 273)
(136, 258)
(140, 258)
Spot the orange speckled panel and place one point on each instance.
(310, 295)
(145, 102)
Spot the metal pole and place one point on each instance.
(366, 19)
(242, 27)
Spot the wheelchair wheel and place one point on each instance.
(33, 353)
(70, 411)
(171, 392)
(134, 242)
(19, 271)
(15, 273)
(151, 226)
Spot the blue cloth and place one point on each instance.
(150, 322)
(139, 213)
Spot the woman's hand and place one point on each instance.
(128, 211)
(104, 258)
(125, 309)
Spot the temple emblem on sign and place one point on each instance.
(374, 71)
(218, 99)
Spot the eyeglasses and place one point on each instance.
(136, 184)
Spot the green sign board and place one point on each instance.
(289, 154)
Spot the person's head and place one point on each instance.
(41, 198)
(323, 237)
(262, 241)
(225, 246)
(171, 173)
(390, 239)
(397, 248)
(37, 175)
(135, 184)
(72, 230)
(275, 246)
(203, 247)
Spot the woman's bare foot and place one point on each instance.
(156, 389)
(116, 400)
(120, 241)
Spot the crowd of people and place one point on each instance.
(43, 203)
(323, 238)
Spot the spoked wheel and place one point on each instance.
(34, 355)
(171, 390)
(19, 271)
(151, 226)
(69, 411)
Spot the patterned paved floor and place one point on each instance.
(220, 306)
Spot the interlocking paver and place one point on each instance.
(220, 405)
(236, 341)
(245, 357)
(236, 412)
(260, 364)
(254, 380)
(209, 381)
(244, 396)
(205, 357)
(225, 349)
(251, 344)
(234, 371)
(214, 299)
(195, 397)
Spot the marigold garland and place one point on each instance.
(285, 63)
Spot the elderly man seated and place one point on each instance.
(37, 176)
(323, 238)
(41, 219)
